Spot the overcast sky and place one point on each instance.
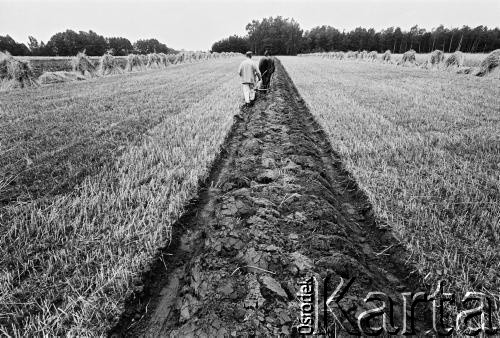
(196, 24)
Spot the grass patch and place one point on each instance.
(425, 147)
(470, 59)
(52, 137)
(143, 141)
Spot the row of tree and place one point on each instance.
(233, 43)
(466, 39)
(284, 36)
(70, 43)
(279, 35)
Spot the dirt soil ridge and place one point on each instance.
(278, 207)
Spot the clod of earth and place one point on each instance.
(272, 285)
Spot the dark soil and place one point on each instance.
(278, 207)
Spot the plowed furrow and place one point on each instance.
(280, 208)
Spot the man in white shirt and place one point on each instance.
(248, 72)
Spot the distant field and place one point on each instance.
(471, 59)
(42, 64)
(92, 176)
(425, 146)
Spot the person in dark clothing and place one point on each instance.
(266, 68)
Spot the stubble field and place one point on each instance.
(40, 64)
(425, 146)
(470, 59)
(92, 175)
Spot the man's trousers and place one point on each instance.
(248, 92)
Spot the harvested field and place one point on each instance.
(93, 174)
(133, 205)
(424, 146)
(49, 64)
(41, 64)
(277, 207)
(471, 59)
(63, 133)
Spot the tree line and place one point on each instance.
(70, 43)
(285, 37)
(466, 39)
(279, 35)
